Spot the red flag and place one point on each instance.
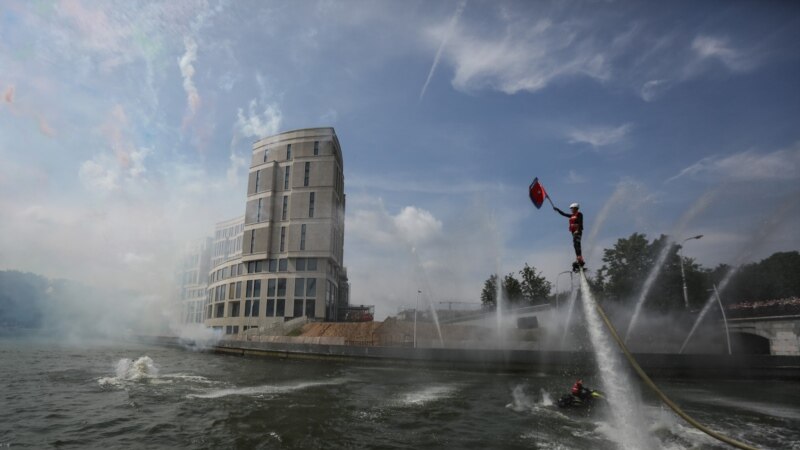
(537, 193)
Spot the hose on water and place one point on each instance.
(658, 391)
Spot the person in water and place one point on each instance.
(580, 391)
(576, 228)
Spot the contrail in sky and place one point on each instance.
(453, 21)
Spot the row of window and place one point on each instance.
(265, 265)
(276, 287)
(273, 308)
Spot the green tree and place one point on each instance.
(535, 288)
(489, 293)
(512, 289)
(772, 278)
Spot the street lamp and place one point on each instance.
(683, 274)
(415, 318)
(557, 278)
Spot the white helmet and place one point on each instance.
(575, 205)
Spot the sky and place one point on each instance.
(126, 128)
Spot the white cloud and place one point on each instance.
(258, 125)
(185, 63)
(575, 178)
(652, 89)
(708, 47)
(599, 136)
(747, 166)
(416, 225)
(96, 176)
(525, 57)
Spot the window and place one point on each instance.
(316, 148)
(258, 176)
(307, 172)
(266, 154)
(252, 240)
(234, 309)
(236, 329)
(271, 287)
(289, 151)
(273, 265)
(238, 289)
(259, 266)
(220, 310)
(257, 288)
(258, 213)
(285, 207)
(283, 265)
(310, 306)
(286, 178)
(311, 205)
(249, 289)
(281, 287)
(299, 287)
(298, 308)
(283, 238)
(311, 287)
(270, 307)
(251, 267)
(300, 264)
(303, 237)
(228, 329)
(280, 306)
(230, 291)
(311, 264)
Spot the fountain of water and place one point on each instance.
(573, 294)
(698, 206)
(711, 299)
(621, 398)
(423, 277)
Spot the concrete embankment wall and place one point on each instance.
(502, 360)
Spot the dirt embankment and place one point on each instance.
(393, 332)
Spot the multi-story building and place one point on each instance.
(291, 262)
(193, 280)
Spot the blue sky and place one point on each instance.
(125, 130)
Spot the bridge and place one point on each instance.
(769, 335)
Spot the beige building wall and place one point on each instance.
(293, 236)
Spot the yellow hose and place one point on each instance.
(658, 391)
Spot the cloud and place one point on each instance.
(575, 178)
(258, 125)
(411, 226)
(708, 47)
(780, 165)
(453, 21)
(185, 63)
(525, 57)
(652, 89)
(97, 176)
(599, 136)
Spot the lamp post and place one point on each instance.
(683, 274)
(415, 318)
(558, 277)
(724, 317)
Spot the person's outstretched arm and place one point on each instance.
(561, 212)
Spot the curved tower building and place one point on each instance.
(291, 262)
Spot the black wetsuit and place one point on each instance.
(576, 228)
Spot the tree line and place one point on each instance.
(627, 264)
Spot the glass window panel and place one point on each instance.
(300, 264)
(281, 287)
(273, 265)
(271, 287)
(299, 287)
(298, 308)
(254, 309)
(310, 306)
(283, 265)
(312, 264)
(280, 307)
(257, 288)
(270, 307)
(311, 287)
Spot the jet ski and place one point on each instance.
(572, 401)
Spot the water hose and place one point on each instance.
(661, 395)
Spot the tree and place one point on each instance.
(535, 288)
(512, 288)
(489, 293)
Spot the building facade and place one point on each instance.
(193, 280)
(292, 239)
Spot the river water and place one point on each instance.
(104, 395)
